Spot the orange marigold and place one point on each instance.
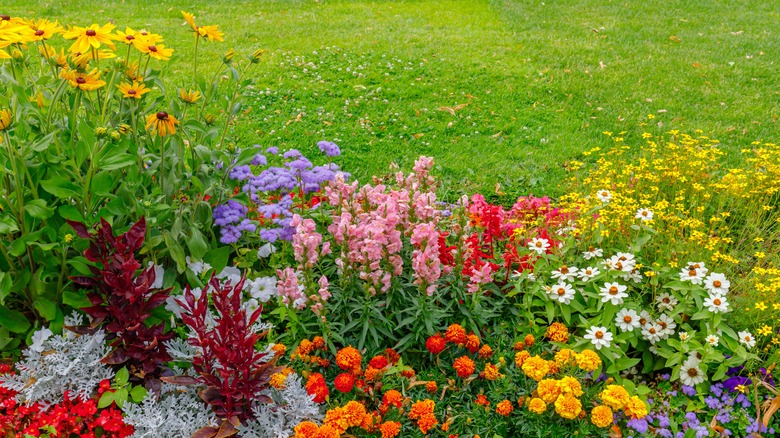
(520, 358)
(370, 373)
(601, 416)
(408, 372)
(435, 344)
(536, 368)
(305, 347)
(537, 406)
(278, 379)
(548, 390)
(378, 362)
(482, 400)
(392, 356)
(491, 372)
(529, 340)
(588, 360)
(504, 408)
(427, 422)
(318, 342)
(455, 334)
(431, 386)
(392, 398)
(472, 343)
(421, 408)
(279, 350)
(563, 357)
(570, 385)
(344, 382)
(518, 346)
(348, 359)
(306, 429)
(316, 386)
(464, 366)
(568, 406)
(485, 352)
(390, 429)
(557, 332)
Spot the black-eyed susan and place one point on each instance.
(136, 90)
(5, 119)
(92, 37)
(211, 32)
(159, 52)
(162, 123)
(44, 29)
(12, 32)
(132, 72)
(82, 80)
(128, 36)
(81, 60)
(256, 55)
(189, 96)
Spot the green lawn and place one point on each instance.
(536, 83)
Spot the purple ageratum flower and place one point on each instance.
(663, 420)
(300, 164)
(241, 173)
(716, 389)
(292, 153)
(329, 148)
(230, 213)
(638, 424)
(713, 402)
(666, 433)
(273, 150)
(259, 160)
(690, 391)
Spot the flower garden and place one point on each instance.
(160, 279)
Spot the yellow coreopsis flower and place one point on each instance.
(44, 29)
(157, 52)
(135, 90)
(90, 37)
(82, 80)
(190, 96)
(162, 123)
(5, 119)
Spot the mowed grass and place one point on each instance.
(502, 93)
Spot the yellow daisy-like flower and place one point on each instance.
(635, 408)
(761, 306)
(44, 29)
(537, 406)
(190, 96)
(14, 31)
(548, 390)
(588, 360)
(90, 37)
(158, 52)
(51, 53)
(568, 406)
(136, 90)
(128, 36)
(601, 416)
(162, 123)
(82, 80)
(82, 59)
(5, 119)
(190, 19)
(211, 32)
(570, 385)
(536, 368)
(765, 330)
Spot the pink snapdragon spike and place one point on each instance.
(425, 257)
(307, 241)
(479, 277)
(289, 288)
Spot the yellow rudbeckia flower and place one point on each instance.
(159, 52)
(90, 37)
(162, 124)
(135, 90)
(5, 119)
(83, 81)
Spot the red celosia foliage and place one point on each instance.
(71, 418)
(122, 300)
(235, 373)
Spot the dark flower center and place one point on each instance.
(153, 49)
(564, 270)
(627, 319)
(132, 92)
(693, 372)
(716, 283)
(162, 115)
(38, 32)
(613, 290)
(91, 32)
(599, 334)
(129, 37)
(81, 81)
(5, 18)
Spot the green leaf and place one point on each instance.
(116, 161)
(5, 286)
(46, 308)
(105, 400)
(218, 258)
(176, 251)
(14, 321)
(61, 187)
(102, 183)
(70, 212)
(197, 244)
(75, 299)
(8, 225)
(37, 208)
(121, 377)
(138, 393)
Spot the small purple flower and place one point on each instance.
(259, 160)
(690, 391)
(732, 382)
(273, 150)
(329, 148)
(638, 424)
(292, 153)
(240, 173)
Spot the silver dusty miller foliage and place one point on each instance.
(54, 364)
(291, 406)
(176, 413)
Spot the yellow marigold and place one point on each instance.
(355, 411)
(635, 408)
(601, 416)
(491, 372)
(548, 390)
(563, 357)
(570, 385)
(536, 368)
(348, 359)
(520, 358)
(277, 380)
(455, 334)
(588, 360)
(557, 332)
(504, 408)
(337, 419)
(537, 406)
(390, 429)
(327, 431)
(554, 368)
(279, 350)
(568, 406)
(615, 396)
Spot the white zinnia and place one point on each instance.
(627, 320)
(690, 373)
(588, 273)
(667, 325)
(651, 332)
(716, 304)
(593, 252)
(717, 284)
(666, 302)
(712, 340)
(565, 273)
(604, 196)
(614, 293)
(599, 337)
(644, 214)
(563, 292)
(538, 245)
(747, 338)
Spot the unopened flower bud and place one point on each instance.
(101, 131)
(227, 58)
(256, 55)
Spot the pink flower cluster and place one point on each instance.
(289, 288)
(306, 242)
(425, 257)
(480, 276)
(370, 222)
